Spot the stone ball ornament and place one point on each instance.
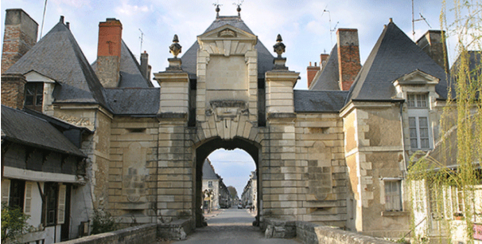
(175, 47)
(279, 47)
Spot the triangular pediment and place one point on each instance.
(227, 32)
(34, 76)
(417, 77)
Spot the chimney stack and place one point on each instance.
(323, 59)
(145, 67)
(433, 45)
(348, 57)
(13, 90)
(311, 72)
(109, 52)
(20, 36)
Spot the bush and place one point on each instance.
(14, 223)
(103, 222)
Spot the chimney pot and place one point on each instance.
(68, 25)
(62, 19)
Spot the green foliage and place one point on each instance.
(103, 222)
(14, 223)
(461, 127)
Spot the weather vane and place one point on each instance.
(240, 2)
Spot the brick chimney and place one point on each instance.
(323, 59)
(13, 90)
(348, 57)
(433, 45)
(311, 72)
(145, 67)
(20, 36)
(109, 52)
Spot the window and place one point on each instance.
(417, 100)
(50, 191)
(17, 190)
(34, 95)
(418, 121)
(210, 184)
(419, 137)
(393, 200)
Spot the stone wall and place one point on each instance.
(134, 235)
(312, 233)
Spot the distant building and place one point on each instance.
(211, 187)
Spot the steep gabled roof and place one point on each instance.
(265, 58)
(57, 55)
(208, 171)
(329, 77)
(130, 73)
(393, 56)
(27, 129)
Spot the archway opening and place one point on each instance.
(236, 161)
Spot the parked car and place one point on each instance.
(240, 206)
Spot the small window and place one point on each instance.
(136, 130)
(417, 100)
(34, 95)
(17, 190)
(210, 184)
(393, 200)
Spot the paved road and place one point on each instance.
(231, 226)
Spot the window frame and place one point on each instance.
(391, 204)
(38, 92)
(418, 110)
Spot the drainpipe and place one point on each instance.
(403, 140)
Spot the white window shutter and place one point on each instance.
(5, 191)
(27, 209)
(61, 205)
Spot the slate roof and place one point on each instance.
(130, 73)
(319, 101)
(393, 56)
(134, 101)
(265, 58)
(58, 56)
(208, 171)
(329, 75)
(23, 128)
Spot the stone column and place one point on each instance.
(281, 173)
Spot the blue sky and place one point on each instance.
(304, 26)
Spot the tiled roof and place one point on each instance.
(393, 56)
(27, 129)
(329, 75)
(133, 101)
(319, 101)
(58, 56)
(208, 171)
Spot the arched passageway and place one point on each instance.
(209, 146)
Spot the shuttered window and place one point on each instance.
(393, 201)
(5, 191)
(61, 205)
(27, 209)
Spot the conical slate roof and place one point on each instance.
(58, 56)
(393, 56)
(130, 73)
(265, 58)
(208, 171)
(329, 76)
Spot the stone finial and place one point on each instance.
(279, 47)
(217, 9)
(175, 47)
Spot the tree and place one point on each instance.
(233, 192)
(461, 128)
(14, 224)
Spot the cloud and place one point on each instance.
(127, 9)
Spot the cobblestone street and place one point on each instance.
(231, 226)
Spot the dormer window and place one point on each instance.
(34, 95)
(417, 100)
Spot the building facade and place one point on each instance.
(335, 154)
